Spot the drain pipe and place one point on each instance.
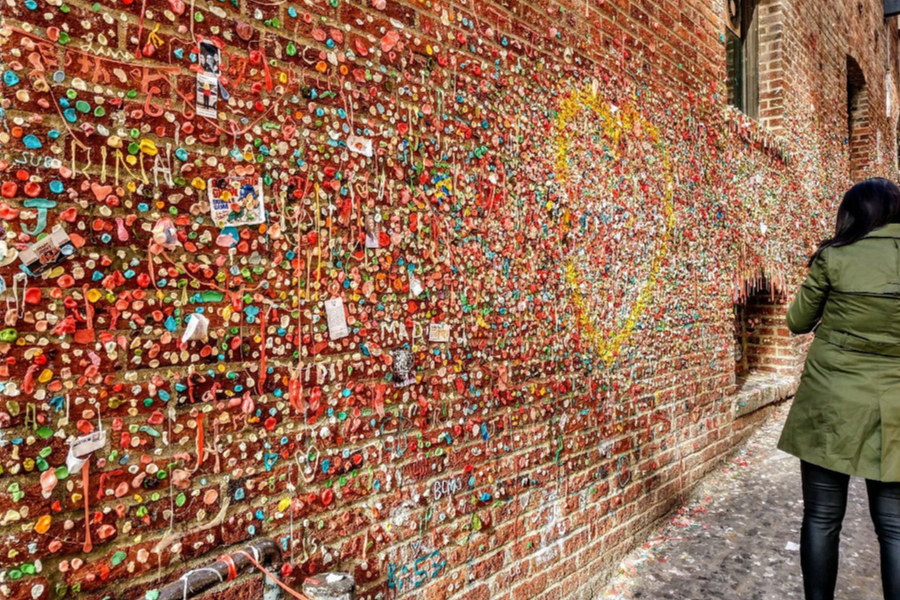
(194, 582)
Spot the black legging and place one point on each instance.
(824, 505)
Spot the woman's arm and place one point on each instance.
(807, 307)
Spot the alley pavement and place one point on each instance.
(737, 537)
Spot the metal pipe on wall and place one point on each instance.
(196, 581)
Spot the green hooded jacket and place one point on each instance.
(846, 413)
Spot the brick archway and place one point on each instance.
(762, 343)
(767, 358)
(858, 132)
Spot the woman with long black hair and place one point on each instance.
(845, 419)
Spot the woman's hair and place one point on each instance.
(866, 206)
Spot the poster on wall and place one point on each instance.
(47, 252)
(236, 200)
(208, 80)
(373, 230)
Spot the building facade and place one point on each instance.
(460, 297)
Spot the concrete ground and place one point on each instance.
(738, 537)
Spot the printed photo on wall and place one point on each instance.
(373, 230)
(47, 252)
(207, 95)
(208, 80)
(210, 58)
(236, 200)
(403, 367)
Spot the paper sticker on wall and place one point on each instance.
(85, 444)
(360, 145)
(196, 328)
(236, 200)
(47, 252)
(82, 446)
(415, 287)
(439, 332)
(337, 320)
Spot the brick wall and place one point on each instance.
(771, 64)
(547, 204)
